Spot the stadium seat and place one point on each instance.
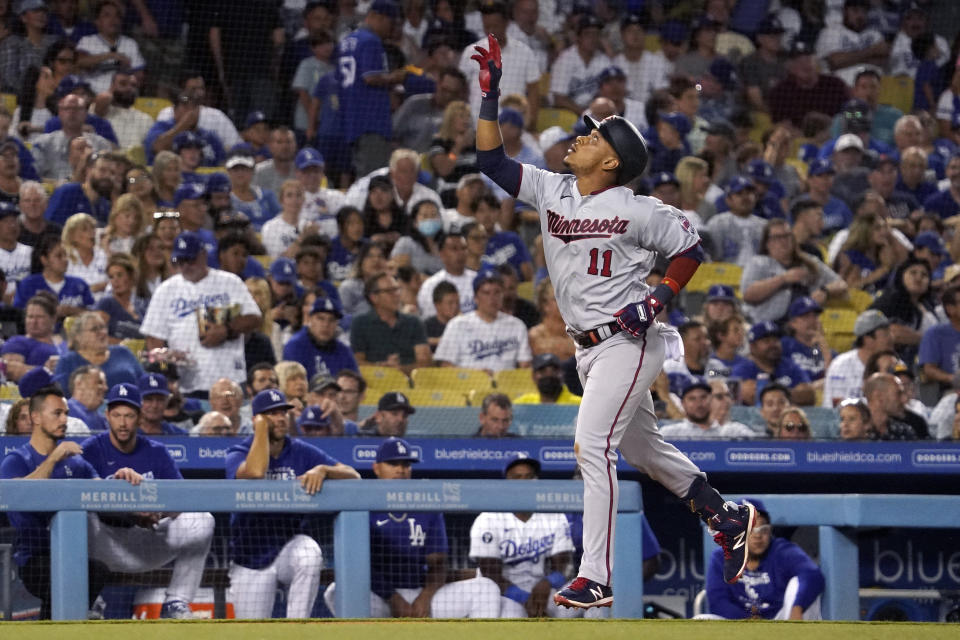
(749, 416)
(824, 422)
(525, 290)
(897, 91)
(265, 261)
(651, 42)
(841, 342)
(761, 124)
(9, 393)
(205, 171)
(135, 345)
(8, 100)
(451, 379)
(443, 421)
(436, 398)
(858, 300)
(550, 117)
(381, 380)
(151, 106)
(838, 321)
(711, 273)
(137, 155)
(514, 382)
(68, 324)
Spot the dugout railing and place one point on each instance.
(351, 500)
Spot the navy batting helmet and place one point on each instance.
(630, 146)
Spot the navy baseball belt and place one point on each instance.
(595, 336)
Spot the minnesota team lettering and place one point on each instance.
(585, 228)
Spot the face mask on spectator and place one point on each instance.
(429, 227)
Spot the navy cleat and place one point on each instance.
(732, 528)
(584, 594)
(176, 610)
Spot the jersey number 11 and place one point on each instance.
(595, 257)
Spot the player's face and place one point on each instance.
(278, 424)
(153, 406)
(521, 471)
(696, 404)
(392, 422)
(123, 420)
(760, 537)
(51, 418)
(590, 153)
(393, 470)
(322, 326)
(489, 299)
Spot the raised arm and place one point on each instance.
(491, 158)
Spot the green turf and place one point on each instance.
(476, 630)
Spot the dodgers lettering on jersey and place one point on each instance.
(399, 546)
(522, 546)
(256, 539)
(148, 458)
(600, 247)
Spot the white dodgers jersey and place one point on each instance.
(522, 546)
(600, 247)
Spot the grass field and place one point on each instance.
(477, 630)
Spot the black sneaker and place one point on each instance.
(732, 529)
(584, 594)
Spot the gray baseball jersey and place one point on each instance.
(600, 247)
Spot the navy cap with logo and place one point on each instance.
(124, 393)
(8, 208)
(738, 184)
(758, 505)
(510, 116)
(284, 270)
(326, 305)
(663, 177)
(189, 191)
(387, 8)
(308, 157)
(218, 183)
(770, 25)
(34, 380)
(153, 384)
(821, 166)
(185, 140)
(396, 450)
(520, 457)
(543, 360)
(186, 247)
(613, 72)
(633, 19)
(762, 330)
(254, 117)
(721, 293)
(312, 416)
(694, 382)
(760, 170)
(589, 21)
(268, 400)
(485, 275)
(802, 306)
(678, 121)
(69, 84)
(393, 400)
(931, 240)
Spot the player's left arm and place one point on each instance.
(312, 480)
(492, 160)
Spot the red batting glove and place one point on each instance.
(491, 67)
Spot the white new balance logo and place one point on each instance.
(597, 593)
(739, 540)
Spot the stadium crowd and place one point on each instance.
(202, 203)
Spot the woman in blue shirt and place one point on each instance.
(121, 305)
(48, 268)
(88, 343)
(258, 204)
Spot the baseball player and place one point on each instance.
(600, 241)
(780, 582)
(272, 548)
(131, 543)
(408, 558)
(526, 554)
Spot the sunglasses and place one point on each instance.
(790, 427)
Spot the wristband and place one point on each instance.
(517, 594)
(556, 579)
(490, 106)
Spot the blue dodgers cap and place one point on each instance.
(387, 8)
(544, 360)
(770, 25)
(930, 240)
(188, 191)
(284, 270)
(511, 116)
(254, 117)
(738, 184)
(397, 450)
(673, 32)
(186, 247)
(308, 157)
(678, 121)
(268, 400)
(153, 384)
(186, 139)
(312, 416)
(8, 208)
(124, 393)
(663, 177)
(694, 382)
(218, 183)
(758, 505)
(763, 330)
(516, 458)
(393, 400)
(802, 306)
(69, 84)
(613, 72)
(721, 293)
(34, 380)
(821, 166)
(326, 305)
(760, 170)
(485, 275)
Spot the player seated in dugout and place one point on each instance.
(780, 582)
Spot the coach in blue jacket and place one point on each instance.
(780, 581)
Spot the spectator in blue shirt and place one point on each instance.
(805, 343)
(87, 386)
(91, 196)
(726, 336)
(503, 247)
(48, 267)
(364, 87)
(912, 178)
(258, 204)
(316, 346)
(836, 213)
(766, 365)
(947, 203)
(186, 115)
(667, 141)
(38, 344)
(940, 347)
